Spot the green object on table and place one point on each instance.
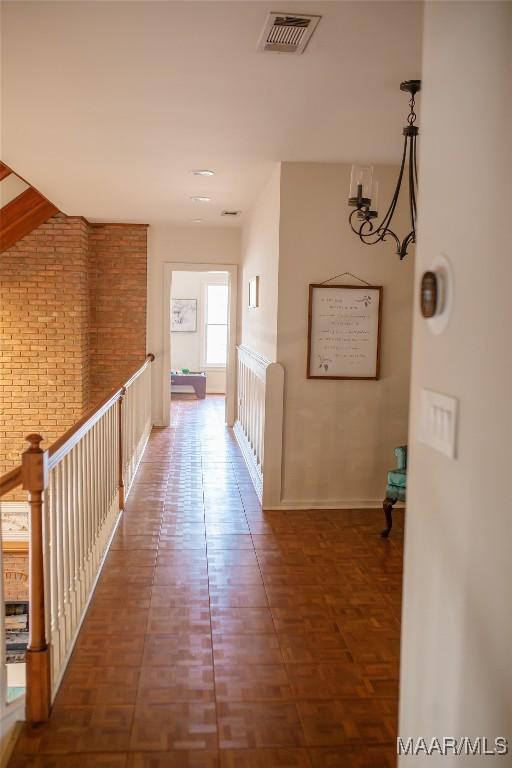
(185, 370)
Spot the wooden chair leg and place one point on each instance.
(387, 506)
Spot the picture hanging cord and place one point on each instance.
(342, 275)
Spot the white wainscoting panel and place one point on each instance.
(259, 422)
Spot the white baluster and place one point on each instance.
(81, 522)
(72, 537)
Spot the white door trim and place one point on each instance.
(178, 266)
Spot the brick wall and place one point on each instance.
(15, 575)
(44, 320)
(72, 323)
(118, 261)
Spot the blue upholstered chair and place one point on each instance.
(396, 487)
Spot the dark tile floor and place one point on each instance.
(221, 636)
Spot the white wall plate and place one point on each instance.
(438, 422)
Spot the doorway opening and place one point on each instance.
(201, 336)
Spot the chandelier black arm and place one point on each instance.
(384, 225)
(412, 188)
(378, 234)
(402, 250)
(415, 166)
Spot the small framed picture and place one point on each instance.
(254, 290)
(184, 315)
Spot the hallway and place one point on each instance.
(221, 636)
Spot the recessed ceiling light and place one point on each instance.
(197, 221)
(200, 199)
(202, 172)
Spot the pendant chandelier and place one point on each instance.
(363, 195)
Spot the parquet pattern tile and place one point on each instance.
(250, 725)
(165, 685)
(222, 636)
(174, 759)
(263, 758)
(181, 725)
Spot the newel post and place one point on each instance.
(120, 448)
(34, 475)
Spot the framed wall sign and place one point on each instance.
(254, 290)
(184, 315)
(344, 331)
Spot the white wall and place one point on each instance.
(192, 245)
(456, 676)
(188, 349)
(339, 435)
(260, 257)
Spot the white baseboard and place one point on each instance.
(249, 458)
(318, 504)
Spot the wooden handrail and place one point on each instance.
(65, 442)
(10, 480)
(137, 373)
(71, 437)
(74, 434)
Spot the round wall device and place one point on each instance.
(437, 294)
(428, 294)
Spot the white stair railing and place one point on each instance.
(81, 506)
(259, 423)
(136, 422)
(76, 491)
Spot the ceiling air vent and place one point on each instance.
(287, 33)
(231, 213)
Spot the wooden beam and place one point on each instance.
(22, 215)
(4, 171)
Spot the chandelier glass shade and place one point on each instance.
(363, 195)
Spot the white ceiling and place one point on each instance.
(107, 106)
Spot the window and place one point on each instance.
(216, 324)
